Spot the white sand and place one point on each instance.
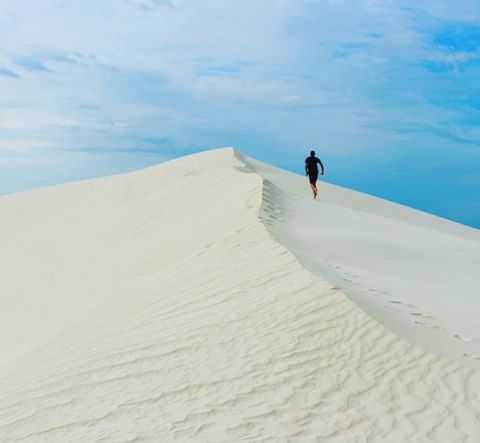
(416, 273)
(156, 306)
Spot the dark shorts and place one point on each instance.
(313, 177)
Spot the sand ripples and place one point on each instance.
(236, 342)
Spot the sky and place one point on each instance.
(387, 92)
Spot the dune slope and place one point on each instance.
(414, 272)
(156, 306)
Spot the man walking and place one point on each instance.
(311, 169)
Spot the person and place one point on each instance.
(311, 169)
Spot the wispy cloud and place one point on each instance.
(33, 119)
(5, 72)
(149, 5)
(30, 63)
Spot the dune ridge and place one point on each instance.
(194, 323)
(415, 273)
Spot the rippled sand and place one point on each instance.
(160, 306)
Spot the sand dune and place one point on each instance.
(161, 305)
(415, 273)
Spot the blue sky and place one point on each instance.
(387, 92)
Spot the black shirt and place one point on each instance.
(312, 164)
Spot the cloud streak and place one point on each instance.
(5, 72)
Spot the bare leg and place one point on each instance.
(314, 189)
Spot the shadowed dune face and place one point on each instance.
(171, 314)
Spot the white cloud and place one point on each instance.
(20, 145)
(146, 67)
(31, 119)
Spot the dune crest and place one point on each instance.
(157, 306)
(415, 273)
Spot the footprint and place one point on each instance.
(473, 357)
(419, 314)
(349, 274)
(396, 302)
(432, 327)
(465, 339)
